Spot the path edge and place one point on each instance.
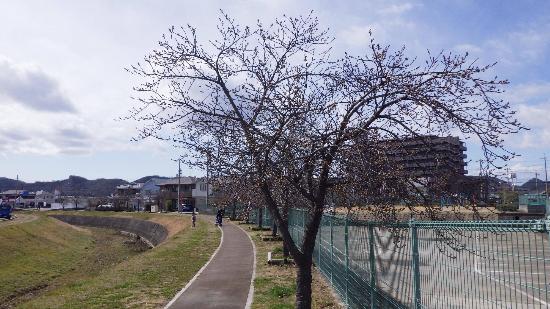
(200, 271)
(250, 297)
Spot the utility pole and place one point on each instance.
(207, 175)
(485, 192)
(179, 183)
(508, 178)
(480, 168)
(545, 177)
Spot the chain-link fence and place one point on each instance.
(418, 264)
(265, 215)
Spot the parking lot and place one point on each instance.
(457, 268)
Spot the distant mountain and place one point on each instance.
(74, 185)
(8, 184)
(534, 185)
(147, 178)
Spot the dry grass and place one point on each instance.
(53, 265)
(275, 286)
(446, 213)
(173, 224)
(18, 217)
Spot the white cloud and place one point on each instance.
(397, 9)
(31, 87)
(389, 23)
(383, 31)
(358, 35)
(521, 47)
(524, 93)
(532, 102)
(470, 48)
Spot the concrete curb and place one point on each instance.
(250, 298)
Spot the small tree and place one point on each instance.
(270, 104)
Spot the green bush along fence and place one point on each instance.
(427, 264)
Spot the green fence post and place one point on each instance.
(303, 224)
(417, 301)
(319, 233)
(346, 252)
(372, 266)
(331, 252)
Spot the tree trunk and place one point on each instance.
(260, 217)
(234, 215)
(274, 229)
(286, 252)
(303, 285)
(302, 254)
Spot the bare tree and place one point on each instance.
(65, 200)
(269, 103)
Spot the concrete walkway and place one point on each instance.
(226, 280)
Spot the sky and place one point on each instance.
(63, 84)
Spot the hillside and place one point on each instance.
(74, 185)
(534, 185)
(147, 178)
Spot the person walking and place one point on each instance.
(194, 217)
(219, 216)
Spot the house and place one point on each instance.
(138, 196)
(41, 199)
(130, 189)
(10, 196)
(44, 199)
(21, 198)
(192, 190)
(128, 196)
(150, 189)
(149, 193)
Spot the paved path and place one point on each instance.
(225, 282)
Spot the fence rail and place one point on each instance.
(419, 264)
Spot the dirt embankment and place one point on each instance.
(173, 226)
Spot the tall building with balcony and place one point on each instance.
(428, 156)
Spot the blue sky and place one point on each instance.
(63, 84)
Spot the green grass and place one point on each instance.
(50, 265)
(36, 253)
(283, 291)
(275, 286)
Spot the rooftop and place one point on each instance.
(186, 180)
(136, 186)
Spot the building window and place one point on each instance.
(203, 187)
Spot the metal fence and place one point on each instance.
(418, 264)
(266, 217)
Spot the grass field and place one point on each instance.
(275, 286)
(49, 264)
